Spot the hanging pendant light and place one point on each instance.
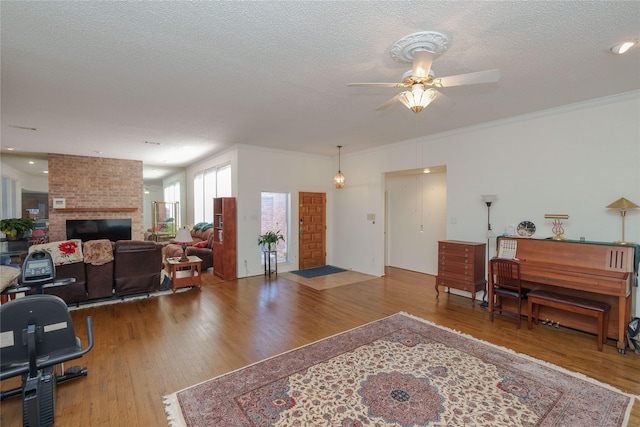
(339, 179)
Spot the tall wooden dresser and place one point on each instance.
(461, 265)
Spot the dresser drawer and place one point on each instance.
(454, 266)
(456, 284)
(460, 276)
(455, 249)
(462, 259)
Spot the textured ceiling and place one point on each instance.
(169, 83)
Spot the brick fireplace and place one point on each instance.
(95, 188)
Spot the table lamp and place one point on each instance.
(183, 237)
(622, 205)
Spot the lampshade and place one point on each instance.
(417, 98)
(623, 204)
(489, 198)
(183, 236)
(339, 180)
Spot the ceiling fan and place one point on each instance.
(421, 82)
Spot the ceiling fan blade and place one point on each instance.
(396, 85)
(389, 103)
(488, 76)
(422, 60)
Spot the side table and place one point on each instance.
(185, 273)
(267, 262)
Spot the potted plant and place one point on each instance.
(14, 228)
(269, 240)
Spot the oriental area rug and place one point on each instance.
(399, 371)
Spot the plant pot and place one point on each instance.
(14, 237)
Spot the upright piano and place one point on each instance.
(598, 271)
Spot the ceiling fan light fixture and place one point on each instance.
(417, 98)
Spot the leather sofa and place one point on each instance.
(138, 265)
(134, 268)
(200, 238)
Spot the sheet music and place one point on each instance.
(508, 249)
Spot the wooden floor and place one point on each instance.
(148, 348)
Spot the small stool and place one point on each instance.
(597, 309)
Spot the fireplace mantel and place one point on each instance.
(95, 209)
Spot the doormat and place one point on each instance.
(400, 371)
(318, 271)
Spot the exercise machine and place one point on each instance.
(36, 334)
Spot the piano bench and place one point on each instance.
(597, 309)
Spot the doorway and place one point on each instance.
(312, 230)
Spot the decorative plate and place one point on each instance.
(526, 229)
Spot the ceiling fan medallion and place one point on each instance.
(431, 41)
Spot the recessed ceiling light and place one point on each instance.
(623, 47)
(152, 143)
(45, 171)
(10, 148)
(31, 162)
(427, 170)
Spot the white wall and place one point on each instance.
(575, 160)
(416, 220)
(254, 170)
(278, 171)
(23, 182)
(38, 184)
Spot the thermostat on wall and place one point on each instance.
(59, 203)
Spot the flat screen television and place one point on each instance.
(93, 229)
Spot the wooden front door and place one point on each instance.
(312, 230)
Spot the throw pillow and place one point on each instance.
(202, 244)
(206, 226)
(64, 252)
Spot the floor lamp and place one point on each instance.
(488, 199)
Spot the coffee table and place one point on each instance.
(185, 273)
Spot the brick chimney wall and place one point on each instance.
(95, 188)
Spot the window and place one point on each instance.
(172, 194)
(9, 198)
(215, 182)
(275, 217)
